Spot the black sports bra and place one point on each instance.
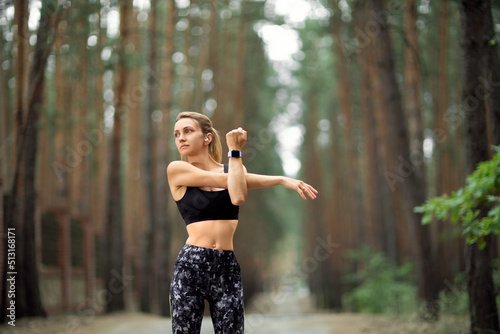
(198, 205)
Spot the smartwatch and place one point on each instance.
(234, 154)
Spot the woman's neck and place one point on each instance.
(204, 162)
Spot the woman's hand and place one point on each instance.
(236, 139)
(302, 188)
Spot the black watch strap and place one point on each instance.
(234, 154)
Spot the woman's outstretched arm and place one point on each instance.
(256, 181)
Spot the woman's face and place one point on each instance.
(188, 136)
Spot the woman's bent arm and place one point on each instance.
(236, 182)
(181, 173)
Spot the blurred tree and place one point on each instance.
(492, 76)
(28, 301)
(373, 213)
(475, 39)
(149, 142)
(404, 166)
(114, 268)
(166, 78)
(15, 207)
(442, 152)
(342, 66)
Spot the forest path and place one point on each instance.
(313, 323)
(139, 323)
(265, 314)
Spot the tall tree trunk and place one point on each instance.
(320, 283)
(403, 169)
(80, 175)
(481, 289)
(28, 301)
(239, 99)
(202, 75)
(6, 133)
(213, 58)
(114, 270)
(60, 166)
(316, 225)
(149, 145)
(373, 214)
(442, 152)
(4, 166)
(37, 81)
(14, 217)
(186, 79)
(163, 147)
(492, 75)
(100, 158)
(395, 236)
(21, 70)
(226, 68)
(412, 88)
(344, 83)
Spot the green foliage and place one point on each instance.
(481, 193)
(380, 286)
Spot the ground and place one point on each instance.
(266, 314)
(315, 323)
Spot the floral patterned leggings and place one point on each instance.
(203, 273)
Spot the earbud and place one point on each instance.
(206, 139)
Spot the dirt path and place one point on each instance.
(286, 313)
(316, 323)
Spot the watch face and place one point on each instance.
(234, 154)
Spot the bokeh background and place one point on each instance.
(98, 85)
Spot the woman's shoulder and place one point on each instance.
(178, 166)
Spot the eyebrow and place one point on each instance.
(184, 128)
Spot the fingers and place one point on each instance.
(306, 190)
(236, 138)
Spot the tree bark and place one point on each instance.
(395, 236)
(403, 170)
(114, 270)
(373, 213)
(149, 146)
(354, 195)
(412, 86)
(443, 235)
(480, 286)
(239, 99)
(28, 301)
(213, 51)
(492, 75)
(163, 148)
(15, 201)
(37, 81)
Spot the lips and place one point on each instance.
(183, 146)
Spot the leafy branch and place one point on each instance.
(480, 194)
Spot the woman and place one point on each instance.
(208, 195)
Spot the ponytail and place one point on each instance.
(215, 146)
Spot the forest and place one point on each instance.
(387, 107)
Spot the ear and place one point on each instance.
(208, 139)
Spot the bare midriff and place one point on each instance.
(214, 234)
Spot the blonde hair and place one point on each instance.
(215, 146)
